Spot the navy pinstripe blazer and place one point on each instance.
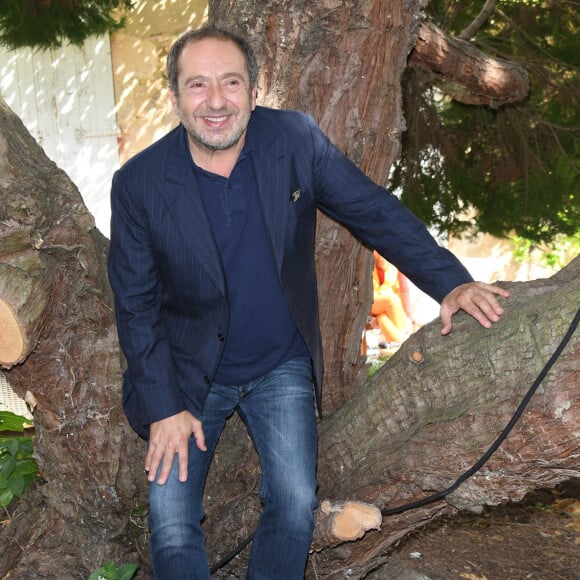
(171, 299)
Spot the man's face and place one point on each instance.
(214, 100)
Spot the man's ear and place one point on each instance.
(254, 97)
(173, 99)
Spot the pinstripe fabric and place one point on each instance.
(170, 295)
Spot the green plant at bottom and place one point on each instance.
(110, 572)
(18, 469)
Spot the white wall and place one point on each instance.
(65, 99)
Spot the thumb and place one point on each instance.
(446, 324)
(446, 328)
(199, 436)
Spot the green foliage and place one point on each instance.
(48, 23)
(110, 572)
(507, 171)
(554, 255)
(17, 466)
(12, 422)
(376, 364)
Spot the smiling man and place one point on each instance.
(212, 266)
(214, 98)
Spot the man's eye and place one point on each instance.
(194, 87)
(232, 84)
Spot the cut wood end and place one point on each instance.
(12, 343)
(356, 518)
(416, 356)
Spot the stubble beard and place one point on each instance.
(216, 141)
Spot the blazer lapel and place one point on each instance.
(272, 168)
(185, 204)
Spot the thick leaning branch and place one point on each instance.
(438, 405)
(466, 73)
(421, 422)
(55, 298)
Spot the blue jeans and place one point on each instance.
(278, 411)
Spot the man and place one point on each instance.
(212, 266)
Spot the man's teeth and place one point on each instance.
(216, 119)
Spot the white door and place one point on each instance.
(66, 101)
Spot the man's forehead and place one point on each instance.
(212, 51)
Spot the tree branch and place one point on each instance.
(479, 21)
(466, 73)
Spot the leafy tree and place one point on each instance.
(496, 170)
(48, 23)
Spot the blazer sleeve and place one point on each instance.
(378, 219)
(135, 282)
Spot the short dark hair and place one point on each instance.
(210, 31)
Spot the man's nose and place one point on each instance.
(215, 96)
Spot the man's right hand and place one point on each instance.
(168, 437)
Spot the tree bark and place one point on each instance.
(465, 73)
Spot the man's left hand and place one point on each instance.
(477, 299)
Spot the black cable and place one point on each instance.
(227, 559)
(477, 466)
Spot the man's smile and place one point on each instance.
(216, 120)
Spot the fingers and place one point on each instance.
(446, 325)
(152, 460)
(478, 299)
(160, 457)
(170, 437)
(183, 459)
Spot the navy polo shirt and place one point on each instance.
(262, 333)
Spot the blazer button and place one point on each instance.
(208, 379)
(221, 337)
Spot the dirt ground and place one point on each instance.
(538, 539)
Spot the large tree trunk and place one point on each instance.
(413, 429)
(341, 62)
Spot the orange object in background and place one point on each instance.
(388, 306)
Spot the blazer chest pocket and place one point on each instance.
(300, 201)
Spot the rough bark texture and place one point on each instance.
(412, 430)
(419, 425)
(465, 73)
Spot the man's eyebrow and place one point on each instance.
(223, 76)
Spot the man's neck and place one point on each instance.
(221, 162)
